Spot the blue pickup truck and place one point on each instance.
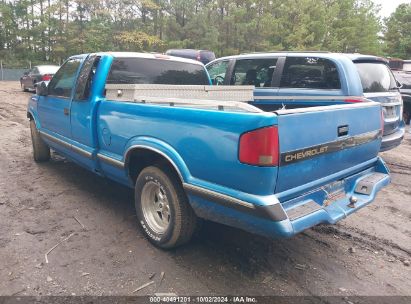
(320, 78)
(192, 151)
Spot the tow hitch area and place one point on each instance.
(335, 201)
(366, 184)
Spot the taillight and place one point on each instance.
(46, 77)
(260, 147)
(353, 100)
(401, 106)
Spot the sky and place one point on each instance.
(389, 6)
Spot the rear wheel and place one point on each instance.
(41, 152)
(162, 207)
(23, 87)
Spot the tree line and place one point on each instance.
(52, 30)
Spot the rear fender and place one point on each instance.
(162, 148)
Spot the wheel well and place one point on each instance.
(140, 158)
(29, 116)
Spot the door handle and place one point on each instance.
(66, 111)
(343, 130)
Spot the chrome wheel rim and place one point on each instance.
(155, 207)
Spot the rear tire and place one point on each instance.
(23, 87)
(162, 207)
(41, 152)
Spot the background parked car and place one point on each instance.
(404, 78)
(290, 75)
(37, 74)
(203, 56)
(402, 72)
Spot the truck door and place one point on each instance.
(54, 109)
(82, 114)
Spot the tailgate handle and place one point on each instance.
(343, 130)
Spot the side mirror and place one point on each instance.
(41, 89)
(399, 84)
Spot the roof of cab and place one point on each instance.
(352, 56)
(362, 57)
(143, 55)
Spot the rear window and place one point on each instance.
(310, 73)
(375, 77)
(156, 71)
(405, 79)
(48, 69)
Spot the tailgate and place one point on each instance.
(319, 141)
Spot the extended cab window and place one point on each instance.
(310, 73)
(256, 72)
(63, 81)
(86, 77)
(375, 77)
(156, 71)
(218, 72)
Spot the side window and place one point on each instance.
(217, 72)
(310, 73)
(63, 81)
(86, 77)
(35, 71)
(256, 72)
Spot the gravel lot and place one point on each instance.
(40, 205)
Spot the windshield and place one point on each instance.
(156, 71)
(375, 77)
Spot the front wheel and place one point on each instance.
(41, 152)
(162, 207)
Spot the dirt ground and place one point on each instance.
(40, 205)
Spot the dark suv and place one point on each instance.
(404, 77)
(203, 56)
(308, 78)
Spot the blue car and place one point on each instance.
(316, 78)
